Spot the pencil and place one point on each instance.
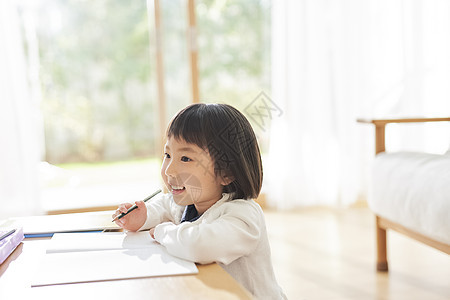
(135, 206)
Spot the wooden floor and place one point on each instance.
(330, 254)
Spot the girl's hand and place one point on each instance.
(152, 232)
(135, 219)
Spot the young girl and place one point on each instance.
(212, 169)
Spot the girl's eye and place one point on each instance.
(166, 155)
(185, 159)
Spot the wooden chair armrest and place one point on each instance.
(381, 122)
(380, 128)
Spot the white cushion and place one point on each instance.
(413, 189)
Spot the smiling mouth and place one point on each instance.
(177, 189)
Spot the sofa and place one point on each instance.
(409, 193)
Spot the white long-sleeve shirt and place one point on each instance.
(231, 232)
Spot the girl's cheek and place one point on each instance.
(163, 170)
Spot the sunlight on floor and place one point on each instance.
(321, 253)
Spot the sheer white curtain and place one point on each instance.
(334, 61)
(19, 151)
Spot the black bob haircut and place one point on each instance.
(228, 137)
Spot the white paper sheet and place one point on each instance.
(86, 257)
(74, 242)
(75, 267)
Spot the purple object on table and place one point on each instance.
(9, 242)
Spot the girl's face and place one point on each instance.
(188, 172)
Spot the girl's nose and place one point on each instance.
(170, 169)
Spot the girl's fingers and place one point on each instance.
(152, 232)
(123, 208)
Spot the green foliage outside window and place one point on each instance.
(98, 69)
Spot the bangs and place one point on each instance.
(189, 125)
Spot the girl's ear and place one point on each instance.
(226, 179)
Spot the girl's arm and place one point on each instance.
(159, 210)
(233, 233)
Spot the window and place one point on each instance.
(97, 85)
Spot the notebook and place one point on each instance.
(87, 257)
(41, 226)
